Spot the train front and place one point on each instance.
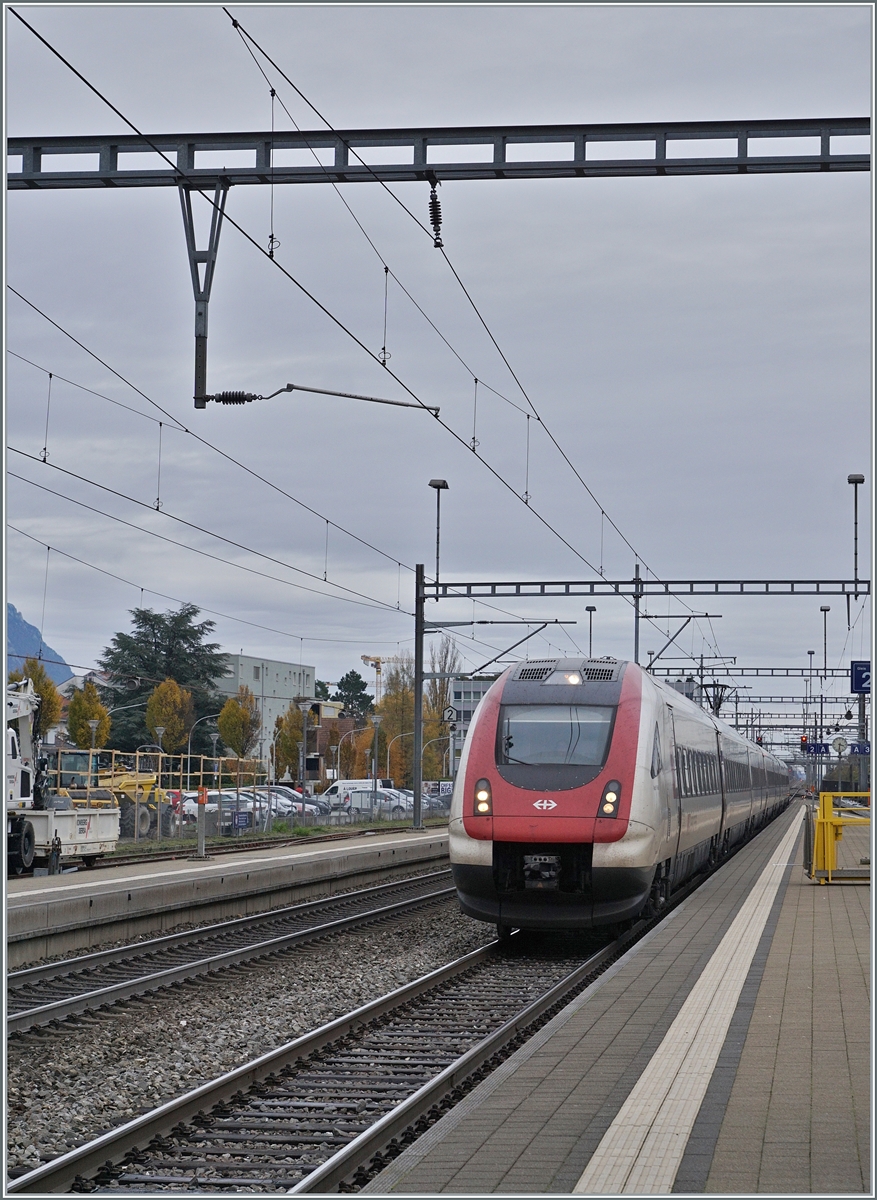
(546, 828)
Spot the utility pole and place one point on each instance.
(637, 593)
(419, 600)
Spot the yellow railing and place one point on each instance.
(826, 824)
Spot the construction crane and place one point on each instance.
(374, 660)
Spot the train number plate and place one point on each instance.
(541, 870)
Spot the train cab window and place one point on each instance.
(554, 734)
(657, 762)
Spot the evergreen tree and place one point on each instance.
(160, 646)
(352, 694)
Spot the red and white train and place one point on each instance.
(588, 790)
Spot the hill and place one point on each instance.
(23, 641)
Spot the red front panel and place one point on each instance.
(525, 815)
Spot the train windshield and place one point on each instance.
(542, 735)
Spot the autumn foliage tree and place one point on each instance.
(85, 705)
(170, 708)
(239, 722)
(50, 697)
(287, 737)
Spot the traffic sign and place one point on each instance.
(816, 748)
(863, 748)
(860, 677)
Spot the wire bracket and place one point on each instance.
(202, 283)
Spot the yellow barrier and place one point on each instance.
(827, 830)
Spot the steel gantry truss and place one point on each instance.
(431, 155)
(659, 148)
(632, 589)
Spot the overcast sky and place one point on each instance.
(699, 346)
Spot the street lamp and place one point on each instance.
(159, 733)
(855, 480)
(209, 717)
(389, 744)
(214, 737)
(376, 722)
(304, 708)
(590, 609)
(92, 725)
(440, 485)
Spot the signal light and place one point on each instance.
(803, 741)
(758, 740)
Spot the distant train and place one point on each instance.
(588, 791)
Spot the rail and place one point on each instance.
(825, 828)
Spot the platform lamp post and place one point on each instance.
(376, 722)
(855, 480)
(440, 485)
(825, 609)
(209, 717)
(214, 737)
(304, 707)
(590, 609)
(159, 733)
(92, 725)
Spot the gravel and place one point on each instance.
(65, 1086)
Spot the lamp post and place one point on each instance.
(214, 737)
(855, 480)
(304, 707)
(440, 485)
(92, 725)
(590, 609)
(209, 717)
(159, 733)
(390, 743)
(376, 722)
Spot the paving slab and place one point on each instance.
(536, 1123)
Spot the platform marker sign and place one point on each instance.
(816, 748)
(860, 677)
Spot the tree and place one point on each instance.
(397, 709)
(239, 722)
(50, 697)
(85, 706)
(444, 659)
(321, 690)
(160, 646)
(352, 694)
(288, 735)
(170, 708)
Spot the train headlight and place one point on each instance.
(483, 798)
(610, 799)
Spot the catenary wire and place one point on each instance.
(176, 599)
(248, 237)
(368, 602)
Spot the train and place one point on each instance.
(589, 791)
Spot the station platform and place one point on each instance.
(727, 1052)
(60, 914)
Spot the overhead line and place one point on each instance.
(368, 602)
(305, 291)
(176, 599)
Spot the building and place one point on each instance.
(274, 684)
(466, 695)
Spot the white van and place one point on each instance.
(336, 791)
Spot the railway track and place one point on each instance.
(325, 1111)
(41, 995)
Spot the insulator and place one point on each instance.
(234, 397)
(435, 218)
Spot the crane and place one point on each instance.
(374, 660)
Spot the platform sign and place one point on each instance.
(242, 820)
(863, 748)
(860, 677)
(816, 748)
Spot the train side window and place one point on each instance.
(657, 763)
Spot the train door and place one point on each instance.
(672, 786)
(724, 836)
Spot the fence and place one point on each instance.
(824, 829)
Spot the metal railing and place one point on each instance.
(824, 829)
